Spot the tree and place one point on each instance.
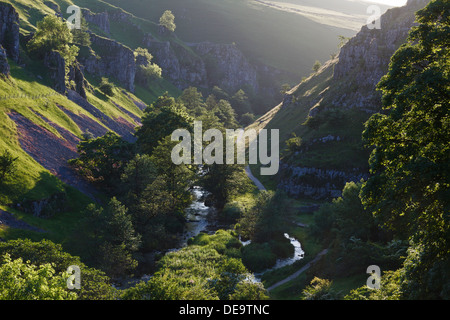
(138, 174)
(7, 165)
(102, 160)
(293, 145)
(81, 35)
(95, 285)
(241, 103)
(320, 289)
(167, 21)
(316, 66)
(24, 281)
(53, 34)
(226, 114)
(146, 70)
(112, 237)
(106, 87)
(285, 88)
(247, 119)
(409, 187)
(176, 178)
(159, 121)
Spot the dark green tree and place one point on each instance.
(53, 34)
(160, 120)
(409, 187)
(102, 160)
(113, 238)
(7, 165)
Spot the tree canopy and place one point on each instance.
(410, 162)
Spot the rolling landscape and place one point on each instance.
(95, 206)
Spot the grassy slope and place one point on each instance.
(31, 180)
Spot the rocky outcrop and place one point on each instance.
(112, 59)
(227, 66)
(364, 59)
(101, 20)
(203, 64)
(9, 30)
(179, 65)
(76, 77)
(316, 183)
(45, 208)
(57, 66)
(346, 82)
(4, 66)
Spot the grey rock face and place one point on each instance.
(177, 63)
(114, 60)
(316, 183)
(227, 66)
(9, 30)
(4, 66)
(101, 20)
(364, 59)
(57, 66)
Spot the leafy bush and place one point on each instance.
(7, 165)
(106, 87)
(258, 257)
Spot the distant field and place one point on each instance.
(320, 15)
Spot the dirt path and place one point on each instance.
(299, 272)
(258, 183)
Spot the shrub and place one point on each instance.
(106, 87)
(258, 257)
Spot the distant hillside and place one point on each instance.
(328, 110)
(284, 40)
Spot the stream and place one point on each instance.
(201, 219)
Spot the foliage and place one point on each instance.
(95, 285)
(106, 87)
(146, 70)
(102, 160)
(81, 36)
(159, 121)
(23, 281)
(409, 189)
(319, 289)
(53, 34)
(390, 289)
(7, 165)
(293, 145)
(112, 238)
(200, 271)
(247, 119)
(224, 181)
(167, 20)
(241, 103)
(316, 66)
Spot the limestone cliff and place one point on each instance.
(227, 66)
(101, 20)
(346, 86)
(9, 30)
(112, 59)
(179, 64)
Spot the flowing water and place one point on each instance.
(197, 215)
(199, 220)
